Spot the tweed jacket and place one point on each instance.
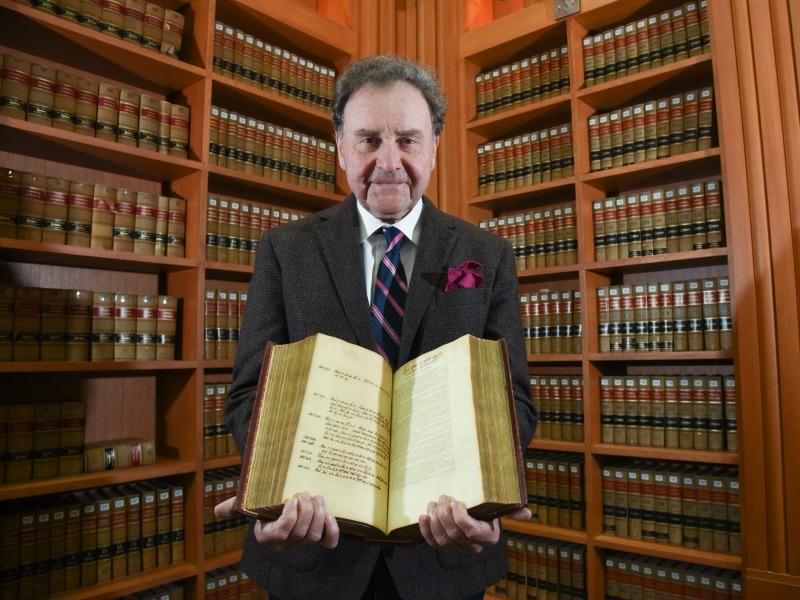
(309, 278)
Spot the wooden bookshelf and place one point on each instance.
(701, 456)
(120, 366)
(563, 534)
(502, 123)
(678, 553)
(223, 559)
(130, 584)
(557, 445)
(546, 190)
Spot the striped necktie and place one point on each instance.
(389, 298)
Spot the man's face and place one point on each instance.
(387, 148)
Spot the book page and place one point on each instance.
(341, 449)
(434, 436)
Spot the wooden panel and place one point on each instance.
(775, 586)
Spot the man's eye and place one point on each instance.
(369, 141)
(408, 141)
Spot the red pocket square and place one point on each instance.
(465, 275)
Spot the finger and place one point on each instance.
(305, 512)
(473, 529)
(317, 521)
(277, 532)
(440, 538)
(425, 529)
(523, 514)
(331, 539)
(225, 509)
(445, 514)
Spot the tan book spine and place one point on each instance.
(112, 17)
(223, 238)
(172, 33)
(88, 544)
(124, 326)
(7, 295)
(53, 325)
(212, 228)
(179, 131)
(133, 529)
(234, 220)
(86, 106)
(214, 136)
(78, 325)
(72, 547)
(119, 533)
(233, 322)
(244, 233)
(27, 553)
(54, 215)
(679, 33)
(147, 121)
(133, 22)
(64, 99)
(102, 327)
(162, 223)
(153, 27)
(103, 205)
(163, 524)
(166, 315)
(20, 423)
(176, 228)
(209, 426)
(41, 95)
(210, 322)
(148, 527)
(725, 314)
(107, 112)
(14, 86)
(10, 182)
(146, 327)
(164, 121)
(27, 324)
(56, 566)
(223, 326)
(32, 198)
(124, 230)
(705, 118)
(176, 522)
(45, 440)
(103, 512)
(254, 233)
(70, 441)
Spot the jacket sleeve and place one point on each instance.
(264, 321)
(504, 321)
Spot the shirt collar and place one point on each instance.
(409, 225)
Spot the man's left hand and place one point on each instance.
(448, 526)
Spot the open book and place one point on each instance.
(330, 418)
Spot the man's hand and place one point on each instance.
(448, 526)
(304, 521)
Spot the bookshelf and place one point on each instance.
(160, 399)
(502, 42)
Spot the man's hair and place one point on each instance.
(383, 71)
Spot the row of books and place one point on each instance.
(532, 79)
(59, 543)
(221, 534)
(659, 221)
(231, 583)
(647, 43)
(559, 401)
(246, 58)
(217, 440)
(635, 576)
(654, 129)
(695, 506)
(41, 440)
(555, 485)
(143, 23)
(525, 160)
(676, 316)
(72, 102)
(53, 325)
(171, 591)
(59, 211)
(224, 314)
(258, 148)
(691, 412)
(234, 227)
(541, 238)
(544, 569)
(551, 321)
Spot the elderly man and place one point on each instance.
(374, 271)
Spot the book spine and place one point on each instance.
(53, 325)
(41, 94)
(166, 319)
(70, 443)
(15, 86)
(162, 223)
(102, 348)
(119, 535)
(64, 99)
(176, 228)
(78, 326)
(125, 326)
(103, 204)
(123, 233)
(146, 327)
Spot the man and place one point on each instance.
(374, 271)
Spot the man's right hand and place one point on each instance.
(304, 521)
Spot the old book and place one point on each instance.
(176, 228)
(20, 424)
(32, 196)
(53, 325)
(210, 326)
(79, 323)
(124, 232)
(103, 203)
(179, 131)
(102, 327)
(162, 223)
(64, 99)
(14, 86)
(10, 182)
(79, 214)
(7, 296)
(172, 33)
(389, 505)
(41, 94)
(176, 522)
(107, 112)
(124, 326)
(27, 324)
(209, 422)
(166, 320)
(146, 327)
(70, 439)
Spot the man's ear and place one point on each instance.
(435, 148)
(339, 153)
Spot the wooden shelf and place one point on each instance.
(230, 93)
(164, 71)
(680, 553)
(548, 273)
(505, 37)
(554, 358)
(223, 559)
(227, 271)
(549, 531)
(217, 364)
(557, 445)
(640, 173)
(228, 181)
(704, 456)
(164, 467)
(74, 148)
(501, 124)
(130, 584)
(222, 462)
(137, 367)
(75, 256)
(619, 91)
(498, 200)
(664, 357)
(693, 258)
(300, 25)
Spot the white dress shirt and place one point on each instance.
(373, 243)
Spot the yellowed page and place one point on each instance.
(434, 436)
(341, 450)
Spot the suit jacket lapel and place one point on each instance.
(435, 245)
(338, 237)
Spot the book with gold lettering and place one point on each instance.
(332, 419)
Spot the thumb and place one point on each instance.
(226, 509)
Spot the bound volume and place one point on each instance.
(330, 418)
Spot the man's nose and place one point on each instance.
(388, 157)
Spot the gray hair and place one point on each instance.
(382, 71)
